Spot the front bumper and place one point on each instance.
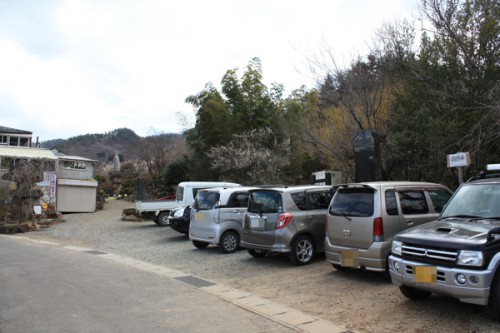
(475, 290)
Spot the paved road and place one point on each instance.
(46, 288)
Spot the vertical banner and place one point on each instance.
(53, 185)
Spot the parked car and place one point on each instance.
(217, 216)
(179, 217)
(457, 255)
(364, 217)
(286, 220)
(186, 191)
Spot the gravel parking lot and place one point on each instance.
(361, 301)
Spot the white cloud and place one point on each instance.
(93, 66)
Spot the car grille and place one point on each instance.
(435, 255)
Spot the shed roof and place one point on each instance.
(9, 130)
(27, 152)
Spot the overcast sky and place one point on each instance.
(72, 67)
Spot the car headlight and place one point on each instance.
(396, 247)
(179, 212)
(470, 258)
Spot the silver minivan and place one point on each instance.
(364, 217)
(286, 220)
(217, 216)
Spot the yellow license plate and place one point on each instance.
(425, 274)
(200, 216)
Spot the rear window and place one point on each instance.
(206, 200)
(265, 202)
(353, 202)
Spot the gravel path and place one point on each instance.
(361, 301)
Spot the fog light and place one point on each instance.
(474, 279)
(461, 278)
(396, 265)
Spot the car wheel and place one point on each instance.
(414, 294)
(200, 245)
(257, 253)
(229, 242)
(493, 308)
(302, 250)
(162, 219)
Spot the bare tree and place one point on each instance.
(253, 157)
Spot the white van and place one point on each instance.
(179, 217)
(217, 216)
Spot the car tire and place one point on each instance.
(303, 250)
(414, 294)
(229, 242)
(162, 219)
(257, 253)
(493, 308)
(199, 244)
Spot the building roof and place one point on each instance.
(27, 152)
(9, 130)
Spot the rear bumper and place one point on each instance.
(475, 292)
(279, 248)
(373, 258)
(207, 235)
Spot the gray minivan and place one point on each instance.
(217, 216)
(286, 220)
(364, 217)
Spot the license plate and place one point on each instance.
(256, 223)
(425, 274)
(349, 258)
(199, 217)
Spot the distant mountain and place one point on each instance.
(102, 147)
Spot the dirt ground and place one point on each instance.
(358, 300)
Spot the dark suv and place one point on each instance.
(457, 255)
(286, 220)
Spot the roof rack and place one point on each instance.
(490, 171)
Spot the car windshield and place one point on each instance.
(474, 201)
(206, 200)
(353, 202)
(265, 202)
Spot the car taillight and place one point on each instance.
(283, 220)
(378, 229)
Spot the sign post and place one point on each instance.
(459, 160)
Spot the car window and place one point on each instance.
(353, 202)
(238, 199)
(300, 200)
(179, 194)
(319, 200)
(391, 205)
(206, 200)
(413, 202)
(439, 198)
(265, 202)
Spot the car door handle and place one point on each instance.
(409, 222)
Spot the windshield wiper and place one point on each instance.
(342, 214)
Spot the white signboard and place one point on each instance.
(458, 160)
